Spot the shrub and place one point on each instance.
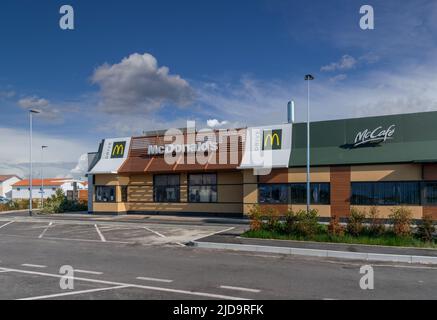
(401, 220)
(355, 222)
(426, 229)
(290, 222)
(255, 216)
(335, 229)
(272, 217)
(376, 226)
(58, 203)
(306, 223)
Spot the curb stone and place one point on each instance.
(319, 253)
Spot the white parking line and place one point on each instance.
(240, 289)
(154, 279)
(112, 283)
(155, 232)
(6, 224)
(213, 233)
(33, 265)
(45, 230)
(100, 234)
(73, 293)
(88, 272)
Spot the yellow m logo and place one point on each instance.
(272, 140)
(118, 149)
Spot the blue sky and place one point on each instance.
(140, 65)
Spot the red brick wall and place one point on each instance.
(340, 191)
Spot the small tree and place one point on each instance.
(355, 222)
(401, 220)
(335, 229)
(376, 226)
(426, 229)
(255, 216)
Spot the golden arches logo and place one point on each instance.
(118, 149)
(272, 140)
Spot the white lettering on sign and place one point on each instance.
(182, 148)
(378, 134)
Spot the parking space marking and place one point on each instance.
(155, 279)
(113, 283)
(45, 230)
(100, 234)
(33, 265)
(71, 293)
(155, 232)
(213, 233)
(240, 289)
(85, 240)
(88, 272)
(6, 224)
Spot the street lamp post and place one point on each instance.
(308, 78)
(31, 112)
(42, 177)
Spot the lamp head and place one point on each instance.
(309, 77)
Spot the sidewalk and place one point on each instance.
(232, 241)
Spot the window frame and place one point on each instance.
(189, 185)
(109, 187)
(289, 199)
(178, 187)
(374, 201)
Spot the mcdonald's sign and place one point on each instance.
(272, 139)
(118, 149)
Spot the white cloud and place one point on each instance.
(214, 123)
(48, 111)
(138, 84)
(338, 78)
(59, 157)
(82, 166)
(7, 94)
(346, 62)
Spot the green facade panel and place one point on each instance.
(394, 139)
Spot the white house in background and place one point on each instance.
(6, 182)
(20, 190)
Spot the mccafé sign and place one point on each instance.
(377, 135)
(209, 146)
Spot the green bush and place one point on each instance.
(272, 220)
(401, 221)
(426, 229)
(58, 203)
(335, 229)
(376, 225)
(304, 223)
(255, 216)
(355, 224)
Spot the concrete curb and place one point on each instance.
(319, 253)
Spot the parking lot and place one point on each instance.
(123, 233)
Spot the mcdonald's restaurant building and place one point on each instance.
(386, 161)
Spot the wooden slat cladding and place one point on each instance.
(430, 211)
(340, 191)
(276, 176)
(139, 161)
(430, 172)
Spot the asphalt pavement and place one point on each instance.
(141, 260)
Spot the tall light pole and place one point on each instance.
(31, 113)
(308, 78)
(42, 177)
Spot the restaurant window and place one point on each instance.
(166, 188)
(202, 187)
(320, 193)
(273, 193)
(385, 193)
(430, 193)
(294, 193)
(105, 194)
(124, 193)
